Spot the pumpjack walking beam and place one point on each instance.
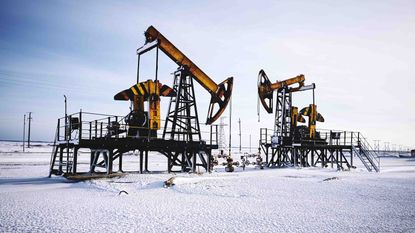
(220, 93)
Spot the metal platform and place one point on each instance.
(334, 148)
(106, 137)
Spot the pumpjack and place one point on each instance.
(291, 144)
(112, 136)
(286, 115)
(287, 134)
(152, 90)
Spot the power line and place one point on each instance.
(28, 80)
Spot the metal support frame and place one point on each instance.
(282, 126)
(188, 154)
(307, 156)
(182, 122)
(338, 151)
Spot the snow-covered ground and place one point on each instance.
(270, 200)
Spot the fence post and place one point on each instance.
(344, 138)
(96, 128)
(90, 130)
(116, 130)
(260, 135)
(59, 126)
(108, 129)
(80, 125)
(70, 127)
(266, 135)
(330, 140)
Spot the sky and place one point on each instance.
(360, 55)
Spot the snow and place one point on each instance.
(254, 200)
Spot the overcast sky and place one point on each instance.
(360, 54)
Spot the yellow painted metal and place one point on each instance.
(295, 117)
(179, 58)
(154, 104)
(134, 91)
(220, 93)
(312, 120)
(146, 91)
(298, 79)
(313, 117)
(139, 89)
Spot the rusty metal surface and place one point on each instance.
(298, 79)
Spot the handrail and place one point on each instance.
(346, 138)
(100, 128)
(371, 154)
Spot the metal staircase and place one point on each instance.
(66, 163)
(366, 154)
(62, 156)
(63, 159)
(54, 153)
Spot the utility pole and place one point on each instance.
(24, 130)
(28, 131)
(240, 136)
(249, 143)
